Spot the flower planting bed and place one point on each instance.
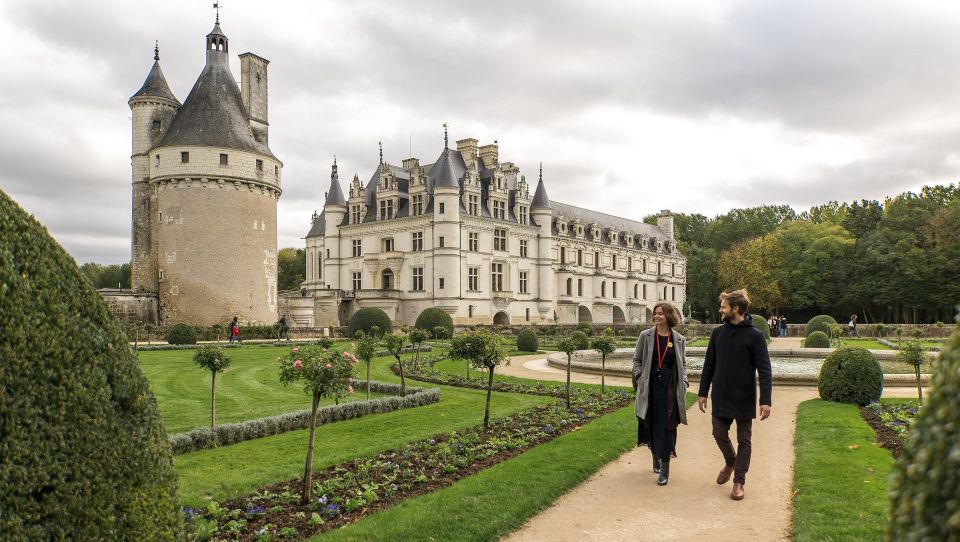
(348, 491)
(891, 422)
(480, 383)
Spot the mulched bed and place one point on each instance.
(891, 422)
(347, 492)
(886, 437)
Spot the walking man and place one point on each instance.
(736, 354)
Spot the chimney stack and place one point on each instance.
(253, 90)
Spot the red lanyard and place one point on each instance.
(660, 356)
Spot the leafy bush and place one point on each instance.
(527, 341)
(586, 328)
(181, 334)
(851, 374)
(819, 323)
(881, 329)
(925, 493)
(763, 326)
(365, 319)
(83, 452)
(580, 340)
(817, 339)
(432, 318)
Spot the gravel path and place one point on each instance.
(623, 502)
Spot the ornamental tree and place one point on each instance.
(483, 350)
(214, 360)
(417, 336)
(394, 343)
(324, 373)
(366, 350)
(914, 353)
(568, 346)
(606, 344)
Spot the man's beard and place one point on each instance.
(725, 317)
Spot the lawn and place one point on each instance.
(840, 475)
(249, 389)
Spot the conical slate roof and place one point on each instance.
(155, 86)
(447, 170)
(540, 199)
(335, 194)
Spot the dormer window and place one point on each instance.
(386, 209)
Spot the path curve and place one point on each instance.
(622, 501)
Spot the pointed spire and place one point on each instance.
(540, 199)
(155, 85)
(446, 138)
(381, 152)
(156, 50)
(335, 195)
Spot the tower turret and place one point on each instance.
(542, 215)
(334, 209)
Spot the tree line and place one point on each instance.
(895, 261)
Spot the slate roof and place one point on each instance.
(540, 199)
(447, 171)
(155, 85)
(572, 213)
(319, 226)
(335, 194)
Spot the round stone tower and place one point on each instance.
(213, 186)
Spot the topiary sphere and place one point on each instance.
(851, 374)
(817, 339)
(527, 341)
(364, 319)
(586, 328)
(181, 334)
(83, 451)
(432, 318)
(763, 326)
(580, 339)
(819, 323)
(925, 493)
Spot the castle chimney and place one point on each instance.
(253, 90)
(468, 148)
(665, 222)
(488, 153)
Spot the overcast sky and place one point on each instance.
(632, 106)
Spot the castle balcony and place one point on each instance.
(347, 294)
(371, 294)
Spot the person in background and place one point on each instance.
(234, 330)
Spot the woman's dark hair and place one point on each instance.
(670, 312)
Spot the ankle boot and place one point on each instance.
(664, 473)
(656, 464)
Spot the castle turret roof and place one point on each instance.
(335, 194)
(155, 85)
(447, 170)
(540, 199)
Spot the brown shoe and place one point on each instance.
(737, 493)
(725, 474)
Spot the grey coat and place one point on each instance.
(643, 360)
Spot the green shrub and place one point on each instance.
(83, 452)
(851, 374)
(527, 341)
(762, 325)
(580, 340)
(817, 339)
(182, 334)
(586, 328)
(925, 492)
(365, 319)
(819, 323)
(432, 318)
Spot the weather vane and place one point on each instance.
(446, 141)
(156, 50)
(216, 6)
(381, 152)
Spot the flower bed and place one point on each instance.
(480, 383)
(232, 433)
(348, 491)
(891, 422)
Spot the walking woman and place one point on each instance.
(660, 380)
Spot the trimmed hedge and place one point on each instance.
(580, 339)
(364, 320)
(433, 317)
(762, 325)
(925, 493)
(820, 322)
(586, 328)
(817, 339)
(83, 452)
(181, 334)
(153, 347)
(851, 374)
(527, 341)
(232, 433)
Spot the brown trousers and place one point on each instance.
(739, 459)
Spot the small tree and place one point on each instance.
(214, 360)
(483, 350)
(606, 344)
(149, 328)
(836, 335)
(899, 332)
(417, 336)
(217, 329)
(914, 353)
(439, 333)
(394, 343)
(366, 350)
(882, 329)
(568, 346)
(917, 333)
(324, 373)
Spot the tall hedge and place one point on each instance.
(365, 318)
(925, 494)
(83, 452)
(851, 374)
(433, 317)
(762, 325)
(820, 322)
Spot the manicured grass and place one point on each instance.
(840, 475)
(249, 389)
(459, 368)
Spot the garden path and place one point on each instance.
(623, 502)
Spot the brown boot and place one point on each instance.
(725, 474)
(737, 493)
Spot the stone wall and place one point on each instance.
(131, 306)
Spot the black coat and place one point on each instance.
(737, 353)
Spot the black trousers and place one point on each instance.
(739, 459)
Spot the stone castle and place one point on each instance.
(205, 191)
(467, 234)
